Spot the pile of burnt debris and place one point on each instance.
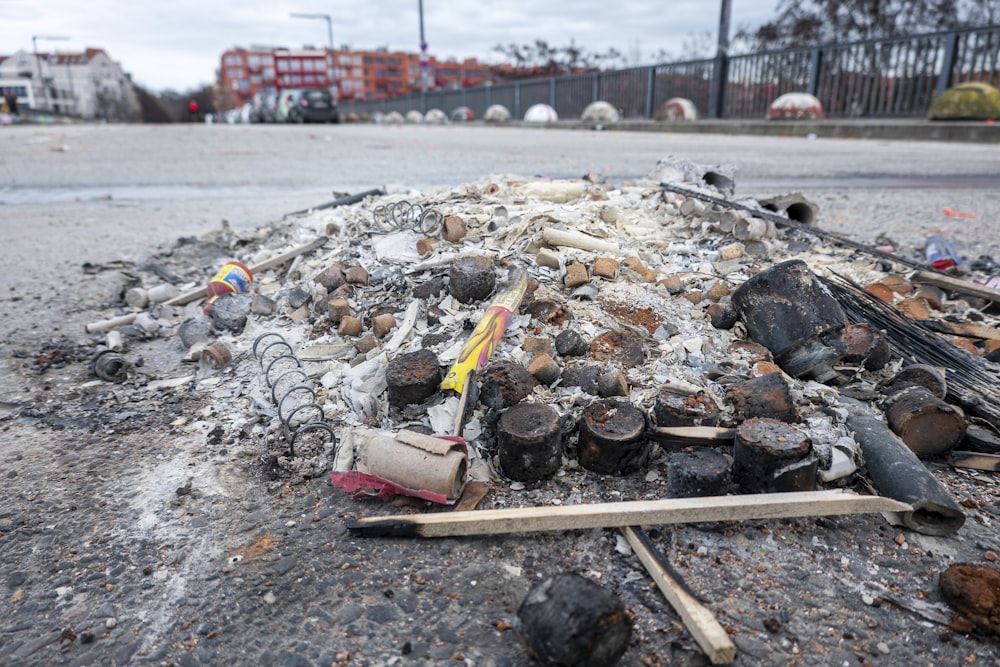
(462, 345)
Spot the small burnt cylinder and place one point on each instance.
(677, 409)
(545, 369)
(699, 471)
(612, 438)
(612, 383)
(216, 356)
(789, 311)
(569, 343)
(772, 456)
(193, 331)
(505, 383)
(570, 620)
(620, 347)
(920, 375)
(584, 377)
(763, 396)
(865, 346)
(110, 366)
(722, 315)
(928, 425)
(530, 442)
(472, 278)
(413, 377)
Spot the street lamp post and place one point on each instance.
(329, 34)
(38, 63)
(720, 68)
(423, 59)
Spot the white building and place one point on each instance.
(87, 85)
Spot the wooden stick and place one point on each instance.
(974, 460)
(956, 285)
(199, 292)
(463, 403)
(700, 621)
(685, 436)
(632, 513)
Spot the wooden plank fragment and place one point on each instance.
(956, 285)
(631, 513)
(967, 329)
(975, 460)
(698, 619)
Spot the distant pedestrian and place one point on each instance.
(10, 99)
(193, 111)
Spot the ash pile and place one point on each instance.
(519, 342)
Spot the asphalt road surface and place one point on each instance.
(104, 192)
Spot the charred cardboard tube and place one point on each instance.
(790, 312)
(413, 460)
(898, 474)
(794, 205)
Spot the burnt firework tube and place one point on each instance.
(477, 350)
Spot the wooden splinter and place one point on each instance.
(698, 619)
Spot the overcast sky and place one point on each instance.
(177, 44)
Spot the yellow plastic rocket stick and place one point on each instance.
(476, 353)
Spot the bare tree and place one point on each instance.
(812, 22)
(543, 59)
(115, 104)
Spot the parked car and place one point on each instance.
(264, 108)
(308, 105)
(268, 112)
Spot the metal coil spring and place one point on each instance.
(404, 215)
(290, 389)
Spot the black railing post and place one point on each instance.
(815, 64)
(595, 86)
(947, 63)
(552, 92)
(650, 89)
(517, 99)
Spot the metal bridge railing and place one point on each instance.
(892, 77)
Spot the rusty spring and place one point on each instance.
(290, 390)
(405, 215)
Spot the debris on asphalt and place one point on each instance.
(973, 591)
(517, 339)
(572, 621)
(110, 365)
(405, 463)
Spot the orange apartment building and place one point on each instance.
(360, 75)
